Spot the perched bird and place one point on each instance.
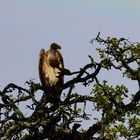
(50, 67)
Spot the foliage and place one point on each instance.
(60, 119)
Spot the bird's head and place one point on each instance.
(55, 46)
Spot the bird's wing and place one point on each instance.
(43, 69)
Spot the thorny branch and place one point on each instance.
(56, 118)
(15, 118)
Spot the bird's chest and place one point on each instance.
(52, 60)
(52, 75)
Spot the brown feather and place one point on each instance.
(50, 63)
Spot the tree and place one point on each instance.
(61, 119)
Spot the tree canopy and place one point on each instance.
(53, 119)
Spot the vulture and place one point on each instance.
(50, 67)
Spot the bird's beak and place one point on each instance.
(59, 47)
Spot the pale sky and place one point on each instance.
(29, 25)
(26, 26)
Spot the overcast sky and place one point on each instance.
(26, 26)
(29, 25)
